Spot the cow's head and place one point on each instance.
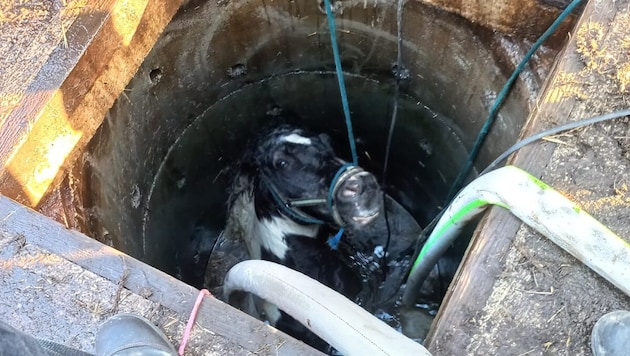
(299, 175)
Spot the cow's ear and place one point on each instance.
(248, 162)
(325, 140)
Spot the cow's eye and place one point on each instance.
(282, 161)
(280, 164)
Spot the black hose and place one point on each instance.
(554, 131)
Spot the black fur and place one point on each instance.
(300, 165)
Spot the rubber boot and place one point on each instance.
(128, 334)
(611, 334)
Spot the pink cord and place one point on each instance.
(191, 320)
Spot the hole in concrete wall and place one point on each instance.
(155, 75)
(158, 168)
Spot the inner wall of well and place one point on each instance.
(156, 169)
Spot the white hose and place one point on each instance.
(540, 207)
(344, 325)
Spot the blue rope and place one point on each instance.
(333, 242)
(483, 133)
(342, 86)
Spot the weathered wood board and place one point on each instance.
(76, 282)
(81, 62)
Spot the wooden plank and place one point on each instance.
(48, 75)
(29, 32)
(474, 283)
(67, 100)
(18, 221)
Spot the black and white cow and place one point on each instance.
(292, 193)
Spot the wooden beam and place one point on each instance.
(67, 100)
(20, 222)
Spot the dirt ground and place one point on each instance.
(545, 302)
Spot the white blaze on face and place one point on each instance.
(297, 139)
